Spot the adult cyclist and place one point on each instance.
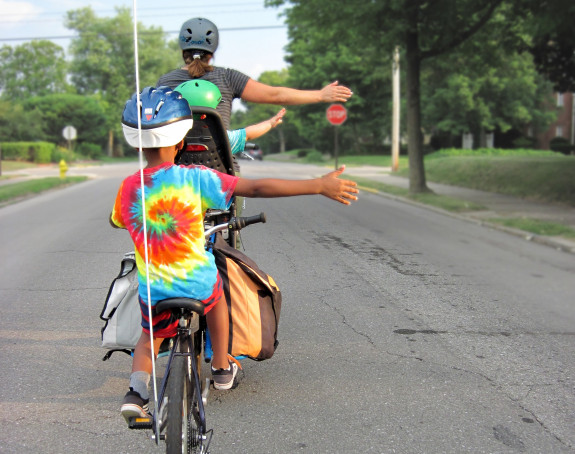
(199, 40)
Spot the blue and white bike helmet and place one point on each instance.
(166, 117)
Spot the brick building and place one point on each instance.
(564, 126)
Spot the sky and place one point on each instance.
(249, 51)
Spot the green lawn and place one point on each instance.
(550, 179)
(439, 201)
(22, 189)
(533, 174)
(9, 166)
(536, 226)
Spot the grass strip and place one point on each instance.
(537, 178)
(536, 226)
(8, 166)
(440, 201)
(21, 189)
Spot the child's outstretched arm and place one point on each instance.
(259, 129)
(330, 185)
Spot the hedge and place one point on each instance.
(38, 152)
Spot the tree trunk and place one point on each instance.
(417, 182)
(110, 143)
(282, 139)
(482, 138)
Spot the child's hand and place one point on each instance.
(277, 118)
(339, 190)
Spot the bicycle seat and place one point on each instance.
(207, 142)
(181, 303)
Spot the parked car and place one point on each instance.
(252, 150)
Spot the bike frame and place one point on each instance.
(189, 342)
(186, 333)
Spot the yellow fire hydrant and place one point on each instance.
(63, 169)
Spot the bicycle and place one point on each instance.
(180, 418)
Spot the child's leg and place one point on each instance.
(142, 358)
(142, 364)
(219, 325)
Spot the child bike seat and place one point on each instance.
(207, 142)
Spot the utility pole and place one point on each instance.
(395, 112)
(573, 120)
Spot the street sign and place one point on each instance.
(69, 133)
(336, 114)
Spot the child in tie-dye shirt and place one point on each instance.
(176, 199)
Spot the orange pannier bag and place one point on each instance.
(254, 303)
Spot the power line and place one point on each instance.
(140, 16)
(153, 8)
(227, 29)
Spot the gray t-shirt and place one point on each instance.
(230, 82)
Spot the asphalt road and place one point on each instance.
(402, 331)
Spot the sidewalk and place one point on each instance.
(498, 206)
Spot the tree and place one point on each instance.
(19, 124)
(331, 41)
(103, 59)
(551, 40)
(423, 28)
(35, 68)
(282, 136)
(86, 113)
(487, 85)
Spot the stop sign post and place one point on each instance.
(336, 114)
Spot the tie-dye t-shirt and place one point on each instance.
(176, 200)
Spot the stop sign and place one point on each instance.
(336, 114)
(69, 133)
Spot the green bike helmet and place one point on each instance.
(200, 92)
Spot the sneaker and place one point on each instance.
(134, 406)
(225, 378)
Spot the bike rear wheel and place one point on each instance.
(179, 406)
(186, 429)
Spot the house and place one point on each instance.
(564, 126)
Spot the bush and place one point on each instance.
(43, 152)
(524, 142)
(314, 156)
(60, 153)
(561, 145)
(89, 150)
(304, 152)
(39, 152)
(15, 151)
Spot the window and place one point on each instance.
(560, 100)
(559, 131)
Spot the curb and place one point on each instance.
(558, 244)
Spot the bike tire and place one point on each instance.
(186, 429)
(179, 406)
(197, 422)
